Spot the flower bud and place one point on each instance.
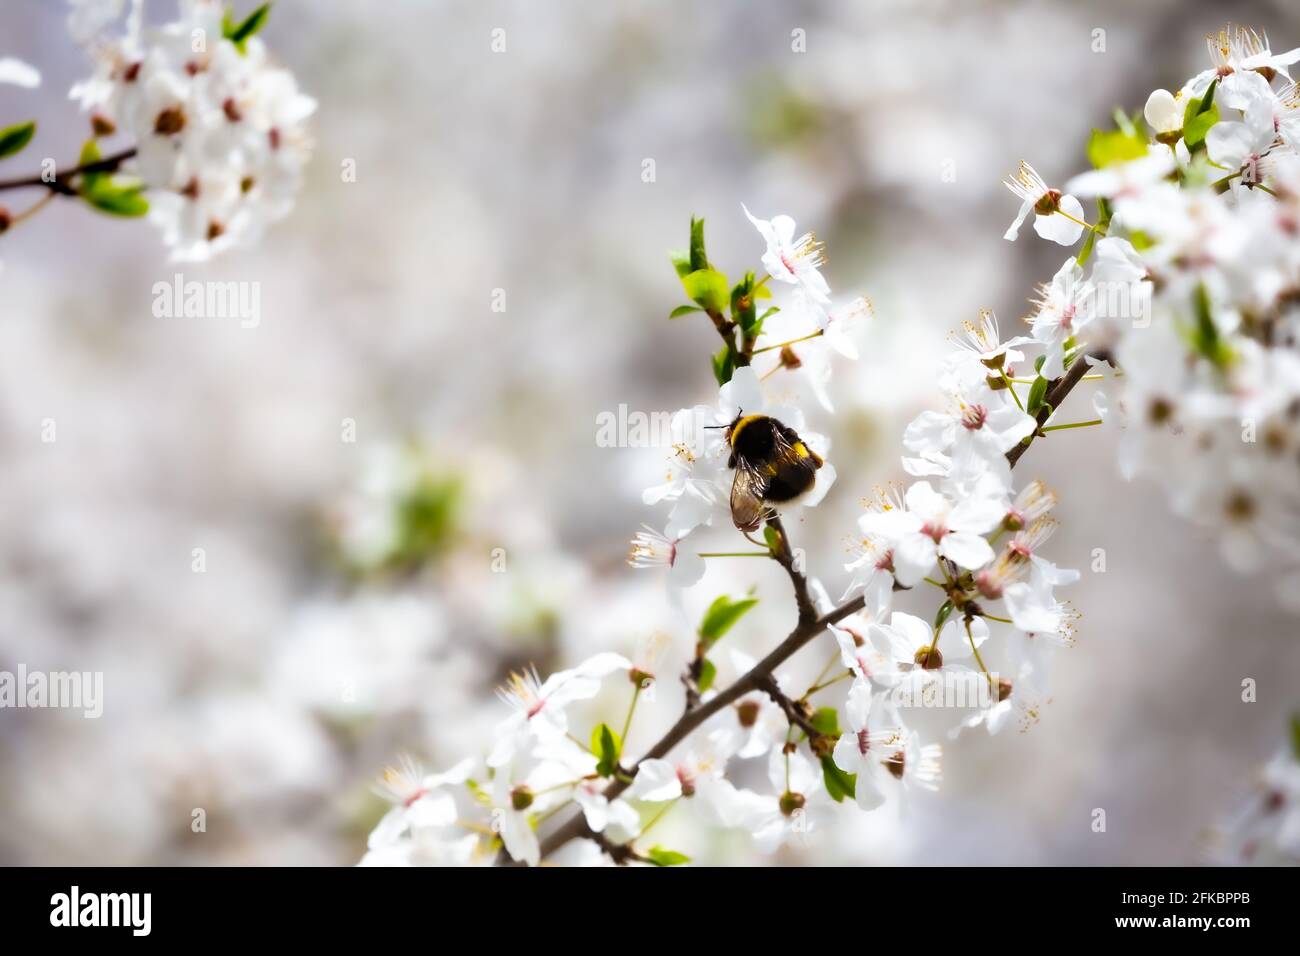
(791, 801)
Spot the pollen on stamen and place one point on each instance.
(523, 691)
(1027, 184)
(401, 784)
(808, 248)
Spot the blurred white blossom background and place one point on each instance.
(270, 689)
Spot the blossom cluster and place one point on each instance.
(219, 130)
(1265, 830)
(962, 528)
(1189, 280)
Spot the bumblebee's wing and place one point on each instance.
(747, 488)
(792, 447)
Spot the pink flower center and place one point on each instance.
(687, 780)
(988, 584)
(973, 417)
(935, 530)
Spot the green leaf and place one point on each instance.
(681, 310)
(827, 721)
(1202, 104)
(681, 262)
(742, 302)
(1195, 130)
(771, 537)
(944, 612)
(722, 614)
(14, 138)
(838, 783)
(1208, 100)
(708, 673)
(425, 519)
(698, 259)
(101, 191)
(1198, 116)
(1140, 240)
(238, 34)
(124, 201)
(1295, 736)
(724, 365)
(1103, 226)
(1037, 392)
(707, 288)
(1204, 335)
(661, 857)
(89, 154)
(1106, 148)
(1086, 252)
(605, 745)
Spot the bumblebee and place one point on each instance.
(773, 467)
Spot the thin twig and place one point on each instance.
(1056, 393)
(796, 712)
(60, 181)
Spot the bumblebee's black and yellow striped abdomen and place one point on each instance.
(772, 464)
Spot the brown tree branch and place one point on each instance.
(797, 712)
(61, 182)
(755, 679)
(727, 331)
(1057, 390)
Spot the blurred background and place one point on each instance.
(351, 604)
